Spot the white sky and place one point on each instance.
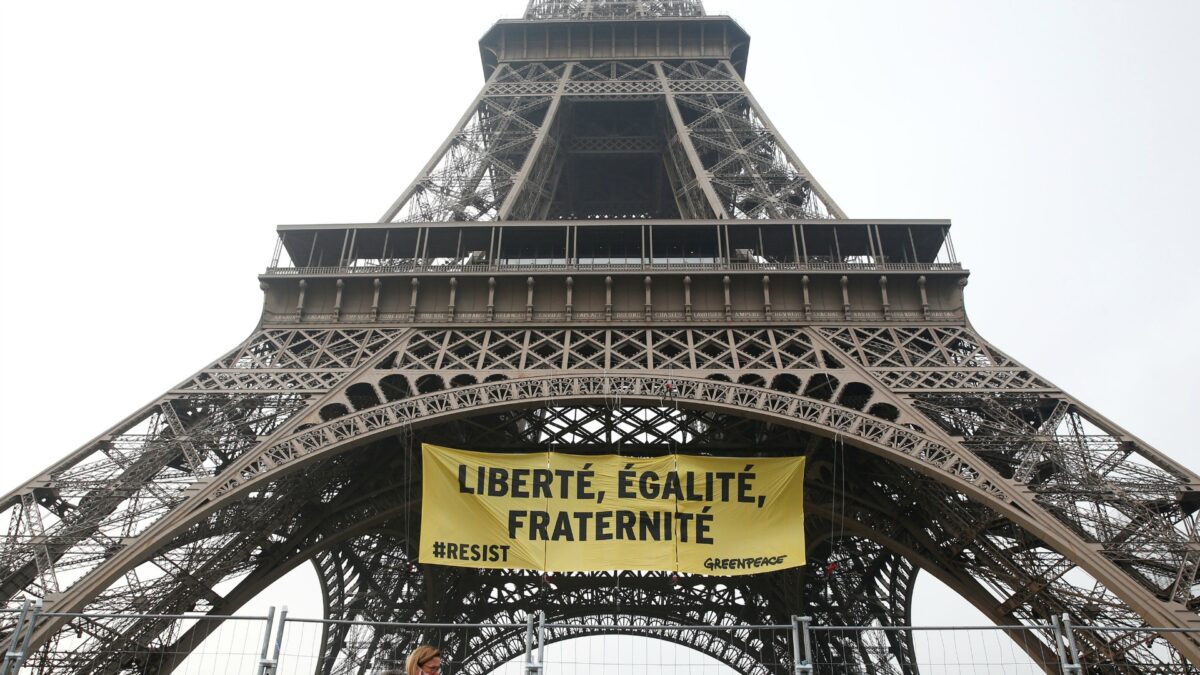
(148, 148)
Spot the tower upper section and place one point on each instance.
(615, 155)
(597, 30)
(612, 9)
(614, 110)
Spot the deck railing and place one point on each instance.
(582, 267)
(612, 9)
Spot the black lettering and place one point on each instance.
(625, 485)
(725, 477)
(562, 528)
(648, 485)
(625, 520)
(604, 525)
(452, 551)
(671, 487)
(583, 517)
(538, 521)
(692, 495)
(497, 482)
(744, 496)
(650, 526)
(515, 522)
(564, 484)
(462, 480)
(685, 519)
(542, 480)
(703, 528)
(519, 478)
(583, 485)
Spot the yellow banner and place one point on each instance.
(556, 512)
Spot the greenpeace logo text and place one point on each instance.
(743, 563)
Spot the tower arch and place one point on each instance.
(511, 291)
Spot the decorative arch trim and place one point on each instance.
(893, 441)
(927, 454)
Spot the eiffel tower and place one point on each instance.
(613, 248)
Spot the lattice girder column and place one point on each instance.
(979, 470)
(480, 163)
(69, 519)
(698, 289)
(1122, 499)
(721, 145)
(357, 502)
(628, 387)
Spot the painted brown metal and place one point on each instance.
(519, 295)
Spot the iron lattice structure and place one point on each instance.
(614, 248)
(612, 9)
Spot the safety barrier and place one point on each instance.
(279, 644)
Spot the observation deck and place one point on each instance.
(602, 246)
(583, 30)
(616, 270)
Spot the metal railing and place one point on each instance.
(611, 9)
(418, 267)
(279, 644)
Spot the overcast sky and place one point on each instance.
(148, 149)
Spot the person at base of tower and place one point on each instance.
(424, 660)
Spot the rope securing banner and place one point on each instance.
(556, 512)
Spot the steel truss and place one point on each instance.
(636, 389)
(610, 9)
(504, 159)
(929, 448)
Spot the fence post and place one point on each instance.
(541, 640)
(801, 659)
(1065, 664)
(274, 663)
(266, 642)
(531, 667)
(806, 626)
(14, 648)
(1076, 665)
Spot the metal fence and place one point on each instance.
(278, 644)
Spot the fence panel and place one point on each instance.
(933, 650)
(283, 645)
(382, 647)
(185, 645)
(594, 649)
